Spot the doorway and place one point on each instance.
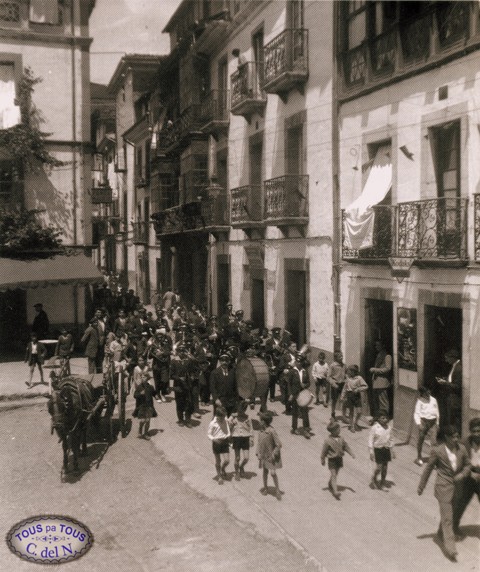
(378, 327)
(13, 324)
(443, 332)
(258, 302)
(296, 305)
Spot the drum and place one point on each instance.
(304, 398)
(252, 377)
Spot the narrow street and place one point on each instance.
(143, 517)
(155, 505)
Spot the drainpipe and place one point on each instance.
(74, 122)
(337, 218)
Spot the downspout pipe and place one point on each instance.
(337, 217)
(74, 122)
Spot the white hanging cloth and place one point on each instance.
(359, 216)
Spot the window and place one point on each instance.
(9, 12)
(7, 177)
(44, 12)
(9, 111)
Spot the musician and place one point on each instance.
(159, 352)
(223, 385)
(227, 317)
(273, 354)
(180, 369)
(213, 334)
(297, 380)
(247, 338)
(287, 361)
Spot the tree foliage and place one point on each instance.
(26, 141)
(22, 235)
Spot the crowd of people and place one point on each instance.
(183, 350)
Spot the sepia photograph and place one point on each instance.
(240, 285)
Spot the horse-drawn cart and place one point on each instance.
(78, 399)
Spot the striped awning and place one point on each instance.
(25, 274)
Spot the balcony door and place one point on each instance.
(256, 179)
(294, 169)
(257, 45)
(222, 88)
(297, 24)
(296, 304)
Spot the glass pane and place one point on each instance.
(357, 30)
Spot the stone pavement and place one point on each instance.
(367, 530)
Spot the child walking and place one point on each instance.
(380, 445)
(268, 453)
(352, 395)
(426, 417)
(140, 371)
(334, 449)
(219, 434)
(144, 396)
(242, 438)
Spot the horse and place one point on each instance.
(70, 408)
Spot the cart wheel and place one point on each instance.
(122, 399)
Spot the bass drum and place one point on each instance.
(252, 377)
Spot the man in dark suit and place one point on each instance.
(223, 386)
(91, 339)
(41, 323)
(452, 463)
(297, 381)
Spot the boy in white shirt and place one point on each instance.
(320, 374)
(426, 416)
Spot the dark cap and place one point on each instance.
(239, 312)
(276, 329)
(224, 357)
(267, 416)
(38, 305)
(453, 353)
(181, 347)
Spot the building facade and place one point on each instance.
(409, 178)
(49, 42)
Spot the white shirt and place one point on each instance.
(380, 437)
(426, 410)
(34, 349)
(475, 457)
(320, 371)
(452, 458)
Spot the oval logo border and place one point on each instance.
(44, 561)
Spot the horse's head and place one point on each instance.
(57, 407)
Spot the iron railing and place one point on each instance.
(383, 239)
(215, 211)
(426, 230)
(215, 106)
(140, 232)
(287, 52)
(174, 132)
(433, 229)
(247, 84)
(246, 204)
(286, 197)
(101, 195)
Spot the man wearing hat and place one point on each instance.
(297, 380)
(180, 368)
(223, 385)
(273, 353)
(91, 339)
(41, 324)
(381, 375)
(227, 318)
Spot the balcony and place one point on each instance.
(433, 232)
(286, 201)
(102, 195)
(215, 214)
(286, 62)
(383, 243)
(248, 96)
(215, 112)
(177, 133)
(246, 207)
(438, 33)
(140, 232)
(179, 219)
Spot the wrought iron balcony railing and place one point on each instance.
(383, 239)
(214, 114)
(140, 232)
(179, 219)
(246, 206)
(248, 96)
(101, 195)
(433, 229)
(175, 132)
(215, 212)
(432, 35)
(286, 198)
(286, 61)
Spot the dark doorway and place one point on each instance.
(378, 327)
(13, 324)
(258, 302)
(296, 305)
(443, 332)
(223, 286)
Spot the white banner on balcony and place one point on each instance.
(9, 112)
(359, 216)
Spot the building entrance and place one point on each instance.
(296, 305)
(258, 304)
